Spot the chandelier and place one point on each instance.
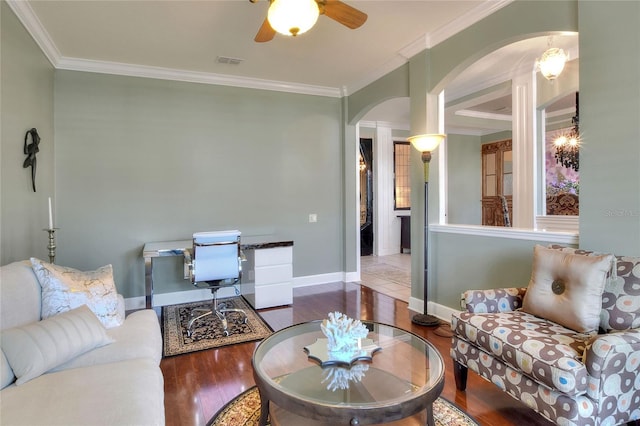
(568, 145)
(552, 61)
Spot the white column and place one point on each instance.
(524, 150)
(386, 237)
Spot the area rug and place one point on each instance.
(208, 332)
(244, 410)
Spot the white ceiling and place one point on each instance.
(182, 39)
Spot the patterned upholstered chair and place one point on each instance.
(569, 377)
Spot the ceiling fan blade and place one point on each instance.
(343, 13)
(265, 33)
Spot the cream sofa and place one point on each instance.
(118, 383)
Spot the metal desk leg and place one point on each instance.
(148, 281)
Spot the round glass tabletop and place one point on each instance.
(402, 378)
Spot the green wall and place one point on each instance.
(27, 101)
(469, 262)
(609, 111)
(609, 116)
(464, 168)
(141, 160)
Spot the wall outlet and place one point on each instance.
(313, 218)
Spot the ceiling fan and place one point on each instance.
(334, 9)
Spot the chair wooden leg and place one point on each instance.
(460, 374)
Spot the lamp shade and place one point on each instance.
(552, 63)
(293, 17)
(426, 143)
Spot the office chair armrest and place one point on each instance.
(188, 265)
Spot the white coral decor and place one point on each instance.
(343, 334)
(340, 378)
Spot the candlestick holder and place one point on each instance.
(52, 243)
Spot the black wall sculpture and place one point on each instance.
(30, 150)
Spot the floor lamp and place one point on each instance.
(425, 144)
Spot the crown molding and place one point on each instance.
(385, 124)
(116, 68)
(28, 18)
(465, 21)
(483, 115)
(375, 74)
(427, 41)
(34, 27)
(453, 130)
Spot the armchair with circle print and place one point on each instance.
(568, 345)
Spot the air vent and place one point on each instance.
(228, 60)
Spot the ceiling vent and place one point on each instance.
(228, 60)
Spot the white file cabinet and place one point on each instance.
(268, 277)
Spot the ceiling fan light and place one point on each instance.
(293, 17)
(552, 63)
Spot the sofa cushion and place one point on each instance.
(138, 337)
(567, 288)
(36, 348)
(120, 393)
(621, 295)
(6, 373)
(66, 288)
(547, 352)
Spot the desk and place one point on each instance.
(177, 248)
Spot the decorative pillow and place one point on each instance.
(36, 348)
(621, 295)
(66, 288)
(567, 288)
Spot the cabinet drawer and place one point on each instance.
(274, 295)
(273, 274)
(273, 256)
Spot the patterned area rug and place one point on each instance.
(244, 410)
(208, 331)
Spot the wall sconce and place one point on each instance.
(552, 61)
(293, 17)
(426, 144)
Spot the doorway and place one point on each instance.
(366, 197)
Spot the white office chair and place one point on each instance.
(216, 263)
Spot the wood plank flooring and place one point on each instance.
(197, 385)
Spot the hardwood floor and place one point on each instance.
(197, 385)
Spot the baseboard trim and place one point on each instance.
(440, 311)
(310, 280)
(164, 299)
(173, 298)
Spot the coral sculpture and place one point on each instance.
(343, 335)
(340, 377)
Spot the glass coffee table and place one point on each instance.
(402, 379)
